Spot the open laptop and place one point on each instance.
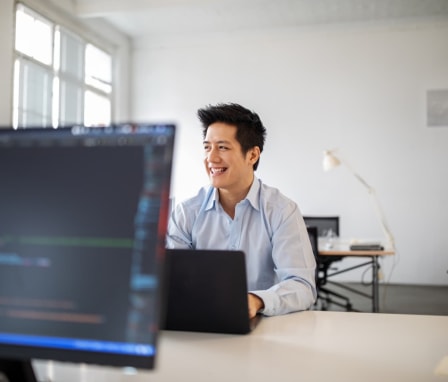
(206, 291)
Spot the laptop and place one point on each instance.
(206, 291)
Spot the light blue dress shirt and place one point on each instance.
(269, 228)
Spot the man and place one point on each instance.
(238, 211)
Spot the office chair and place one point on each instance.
(320, 227)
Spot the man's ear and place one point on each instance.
(254, 154)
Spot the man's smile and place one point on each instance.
(217, 170)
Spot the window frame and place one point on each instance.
(62, 25)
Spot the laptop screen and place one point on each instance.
(83, 216)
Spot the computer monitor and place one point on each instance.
(327, 226)
(83, 218)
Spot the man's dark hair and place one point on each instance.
(250, 131)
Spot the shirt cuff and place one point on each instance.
(269, 302)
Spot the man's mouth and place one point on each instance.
(217, 170)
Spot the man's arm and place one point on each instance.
(294, 264)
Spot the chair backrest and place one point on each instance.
(326, 225)
(312, 233)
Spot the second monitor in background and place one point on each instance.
(327, 226)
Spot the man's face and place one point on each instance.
(227, 167)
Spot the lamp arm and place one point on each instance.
(378, 210)
(382, 219)
(363, 182)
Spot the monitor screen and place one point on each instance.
(83, 218)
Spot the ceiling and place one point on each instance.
(157, 17)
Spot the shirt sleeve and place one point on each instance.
(294, 265)
(179, 233)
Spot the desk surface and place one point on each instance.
(341, 248)
(304, 346)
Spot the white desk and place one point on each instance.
(307, 346)
(341, 249)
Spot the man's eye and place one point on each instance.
(206, 148)
(223, 148)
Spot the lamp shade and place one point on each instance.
(330, 161)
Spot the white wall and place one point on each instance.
(6, 70)
(359, 89)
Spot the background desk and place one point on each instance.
(307, 346)
(340, 249)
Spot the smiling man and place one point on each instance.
(238, 211)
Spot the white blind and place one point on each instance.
(34, 94)
(69, 65)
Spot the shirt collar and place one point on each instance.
(253, 196)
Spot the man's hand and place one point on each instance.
(255, 304)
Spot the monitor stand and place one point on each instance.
(17, 370)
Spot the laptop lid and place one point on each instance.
(206, 291)
(83, 216)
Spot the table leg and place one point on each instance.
(375, 285)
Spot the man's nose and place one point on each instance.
(213, 155)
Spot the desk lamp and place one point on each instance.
(331, 161)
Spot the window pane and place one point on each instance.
(34, 35)
(34, 94)
(71, 103)
(71, 55)
(98, 68)
(24, 27)
(97, 109)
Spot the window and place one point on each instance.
(59, 77)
